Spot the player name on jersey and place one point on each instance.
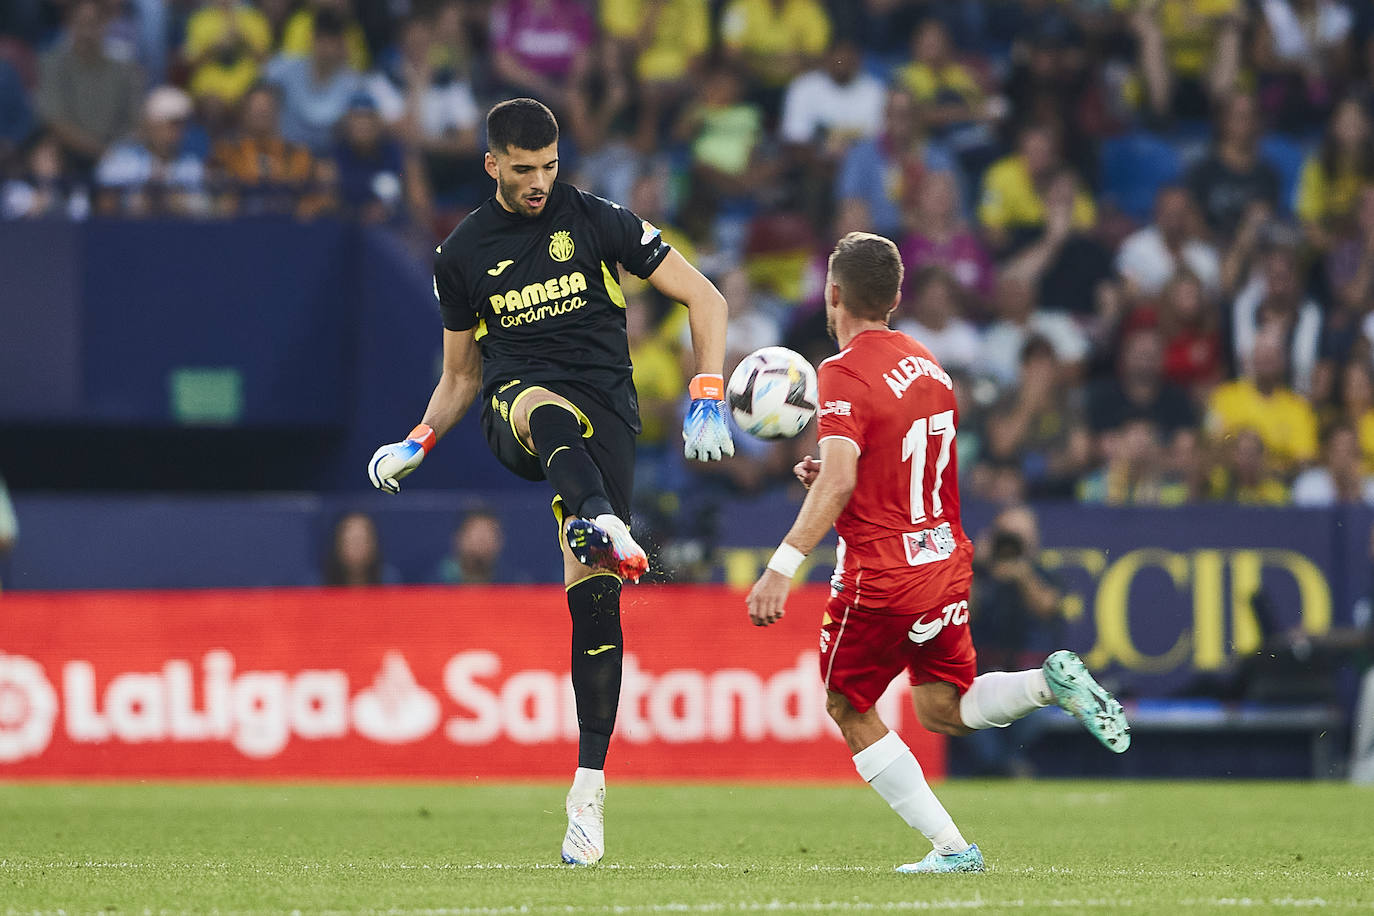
(908, 370)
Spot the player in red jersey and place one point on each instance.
(888, 480)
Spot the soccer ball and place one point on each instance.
(772, 393)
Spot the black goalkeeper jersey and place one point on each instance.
(544, 294)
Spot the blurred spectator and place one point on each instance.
(932, 312)
(475, 551)
(1233, 175)
(277, 13)
(1139, 390)
(1335, 174)
(1245, 474)
(940, 237)
(1018, 320)
(539, 46)
(658, 375)
(1262, 401)
(1039, 425)
(1299, 51)
(1192, 343)
(298, 38)
(1056, 80)
(1355, 406)
(969, 392)
(774, 40)
(1013, 210)
(1340, 478)
(1015, 613)
(1152, 256)
(355, 554)
(1275, 294)
(85, 97)
(226, 44)
(1135, 471)
(750, 327)
(832, 106)
(257, 171)
(664, 42)
(824, 112)
(723, 133)
(424, 96)
(953, 106)
(1350, 257)
(1190, 53)
(315, 91)
(881, 177)
(153, 174)
(379, 180)
(949, 93)
(16, 116)
(42, 186)
(1071, 269)
(601, 125)
(1014, 616)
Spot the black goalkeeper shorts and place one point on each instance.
(609, 439)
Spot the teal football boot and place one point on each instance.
(934, 863)
(1085, 699)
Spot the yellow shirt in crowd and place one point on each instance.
(300, 33)
(1010, 199)
(762, 31)
(681, 32)
(1321, 197)
(1190, 28)
(926, 84)
(1365, 428)
(1284, 420)
(208, 27)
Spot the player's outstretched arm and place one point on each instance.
(705, 431)
(459, 383)
(825, 500)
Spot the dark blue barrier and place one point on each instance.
(269, 301)
(40, 321)
(248, 325)
(264, 540)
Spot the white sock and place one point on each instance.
(587, 782)
(999, 698)
(889, 767)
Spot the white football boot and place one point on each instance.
(585, 841)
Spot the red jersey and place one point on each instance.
(902, 546)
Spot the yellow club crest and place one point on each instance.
(561, 245)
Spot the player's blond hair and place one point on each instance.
(868, 270)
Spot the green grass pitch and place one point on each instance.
(1053, 846)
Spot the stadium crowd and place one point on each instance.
(1138, 233)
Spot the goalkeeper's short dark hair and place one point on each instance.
(521, 124)
(868, 270)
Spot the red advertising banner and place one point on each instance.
(410, 682)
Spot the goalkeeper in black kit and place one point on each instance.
(534, 324)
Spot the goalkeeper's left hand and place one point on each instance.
(706, 429)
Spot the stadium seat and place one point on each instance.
(1286, 155)
(1134, 167)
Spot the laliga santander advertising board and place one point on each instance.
(410, 682)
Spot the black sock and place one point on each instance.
(596, 661)
(557, 436)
